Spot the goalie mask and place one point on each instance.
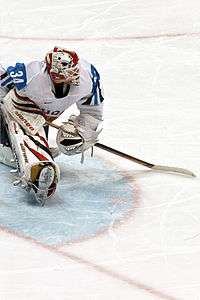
(62, 66)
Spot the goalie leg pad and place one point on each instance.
(36, 167)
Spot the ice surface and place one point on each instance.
(148, 57)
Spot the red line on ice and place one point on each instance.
(91, 265)
(112, 38)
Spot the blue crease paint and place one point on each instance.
(83, 205)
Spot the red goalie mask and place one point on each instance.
(62, 66)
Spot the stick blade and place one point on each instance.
(173, 170)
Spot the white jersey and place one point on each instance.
(87, 96)
(38, 88)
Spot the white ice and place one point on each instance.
(148, 54)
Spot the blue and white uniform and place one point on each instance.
(33, 82)
(29, 99)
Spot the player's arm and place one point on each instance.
(87, 124)
(19, 106)
(92, 104)
(6, 82)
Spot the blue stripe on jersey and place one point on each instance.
(96, 97)
(8, 80)
(95, 79)
(96, 91)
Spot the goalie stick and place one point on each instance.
(137, 160)
(145, 163)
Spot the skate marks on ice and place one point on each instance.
(89, 199)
